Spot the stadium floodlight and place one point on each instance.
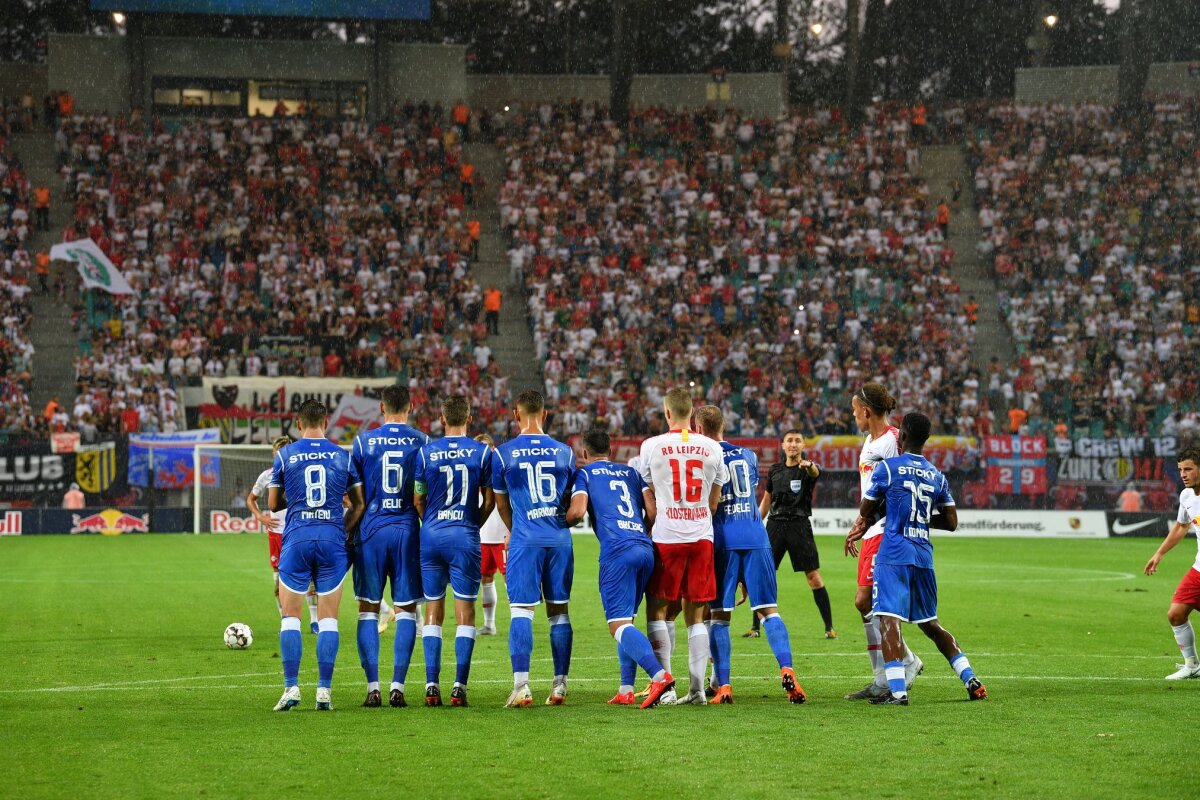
(118, 18)
(816, 29)
(1051, 20)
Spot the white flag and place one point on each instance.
(94, 267)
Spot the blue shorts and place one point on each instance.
(535, 573)
(623, 580)
(389, 553)
(322, 562)
(452, 560)
(905, 592)
(754, 567)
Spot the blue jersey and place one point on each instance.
(314, 475)
(452, 470)
(913, 489)
(535, 472)
(384, 461)
(615, 504)
(737, 524)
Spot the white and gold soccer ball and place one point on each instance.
(238, 636)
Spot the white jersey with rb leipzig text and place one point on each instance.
(682, 466)
(1189, 514)
(260, 491)
(875, 451)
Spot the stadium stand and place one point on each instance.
(704, 246)
(16, 276)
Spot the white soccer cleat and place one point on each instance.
(912, 669)
(690, 699)
(558, 695)
(520, 698)
(1185, 672)
(486, 630)
(386, 619)
(290, 699)
(324, 700)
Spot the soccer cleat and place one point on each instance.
(458, 696)
(710, 691)
(486, 630)
(433, 695)
(520, 698)
(723, 696)
(660, 692)
(888, 699)
(385, 618)
(622, 699)
(290, 699)
(831, 634)
(869, 692)
(976, 690)
(912, 669)
(373, 699)
(312, 627)
(787, 678)
(324, 701)
(753, 633)
(396, 699)
(1184, 672)
(692, 699)
(644, 693)
(558, 695)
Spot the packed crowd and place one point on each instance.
(16, 350)
(771, 264)
(244, 236)
(1092, 227)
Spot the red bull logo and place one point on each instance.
(10, 523)
(110, 522)
(224, 522)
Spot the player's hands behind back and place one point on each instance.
(857, 531)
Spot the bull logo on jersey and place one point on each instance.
(225, 396)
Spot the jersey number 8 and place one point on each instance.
(314, 485)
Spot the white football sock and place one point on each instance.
(312, 608)
(487, 596)
(671, 634)
(875, 651)
(661, 642)
(698, 655)
(1185, 637)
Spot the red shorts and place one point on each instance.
(1188, 591)
(867, 550)
(493, 559)
(275, 540)
(684, 570)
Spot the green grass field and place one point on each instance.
(116, 684)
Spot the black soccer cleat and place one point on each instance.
(888, 699)
(976, 690)
(433, 695)
(396, 699)
(373, 699)
(458, 696)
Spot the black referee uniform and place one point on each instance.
(790, 531)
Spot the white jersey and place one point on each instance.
(1189, 514)
(260, 491)
(492, 531)
(683, 467)
(873, 452)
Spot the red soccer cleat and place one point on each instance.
(795, 694)
(658, 689)
(976, 690)
(622, 699)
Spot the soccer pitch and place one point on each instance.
(117, 684)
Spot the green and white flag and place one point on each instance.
(94, 267)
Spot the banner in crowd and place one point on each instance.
(354, 413)
(1117, 471)
(96, 467)
(173, 459)
(37, 475)
(832, 453)
(258, 410)
(1121, 447)
(1020, 524)
(94, 267)
(1016, 464)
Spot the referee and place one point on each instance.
(788, 497)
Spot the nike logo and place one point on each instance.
(1120, 527)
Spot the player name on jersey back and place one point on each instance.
(682, 466)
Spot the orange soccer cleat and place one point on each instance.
(787, 677)
(723, 697)
(658, 689)
(622, 699)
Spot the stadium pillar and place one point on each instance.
(378, 88)
(135, 43)
(620, 69)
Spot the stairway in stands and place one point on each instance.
(55, 344)
(513, 348)
(942, 165)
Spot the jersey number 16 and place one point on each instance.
(687, 480)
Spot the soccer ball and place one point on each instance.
(238, 636)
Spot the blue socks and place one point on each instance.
(628, 665)
(431, 641)
(722, 649)
(520, 639)
(327, 649)
(291, 644)
(464, 646)
(895, 678)
(963, 667)
(406, 638)
(637, 647)
(777, 637)
(561, 639)
(367, 636)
